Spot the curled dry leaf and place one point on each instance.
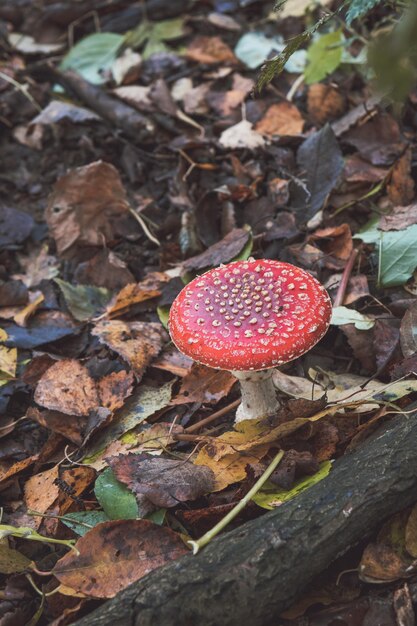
(164, 482)
(83, 208)
(335, 240)
(67, 387)
(115, 554)
(135, 293)
(204, 384)
(138, 343)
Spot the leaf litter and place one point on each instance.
(156, 166)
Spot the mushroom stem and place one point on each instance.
(258, 395)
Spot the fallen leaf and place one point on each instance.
(83, 301)
(72, 482)
(283, 119)
(223, 102)
(22, 317)
(400, 218)
(13, 293)
(401, 185)
(144, 402)
(138, 343)
(324, 56)
(335, 240)
(106, 270)
(15, 226)
(67, 387)
(12, 561)
(115, 554)
(8, 362)
(204, 384)
(411, 533)
(41, 491)
(356, 116)
(378, 140)
(84, 207)
(117, 501)
(135, 293)
(324, 103)
(210, 50)
(321, 159)
(164, 482)
(408, 331)
(114, 388)
(242, 135)
(342, 315)
(225, 250)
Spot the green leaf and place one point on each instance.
(115, 498)
(163, 314)
(93, 56)
(253, 48)
(83, 301)
(342, 315)
(359, 8)
(397, 251)
(324, 56)
(155, 33)
(82, 521)
(157, 517)
(168, 29)
(270, 496)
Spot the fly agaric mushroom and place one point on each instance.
(249, 317)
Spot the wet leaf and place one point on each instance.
(164, 482)
(117, 501)
(115, 554)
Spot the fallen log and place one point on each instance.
(258, 570)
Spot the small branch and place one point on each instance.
(340, 296)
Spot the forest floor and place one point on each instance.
(136, 152)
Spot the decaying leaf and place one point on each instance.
(224, 251)
(210, 50)
(164, 482)
(242, 135)
(283, 119)
(115, 554)
(84, 207)
(67, 387)
(204, 384)
(136, 342)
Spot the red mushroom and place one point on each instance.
(248, 317)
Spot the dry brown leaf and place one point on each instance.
(400, 218)
(283, 119)
(138, 343)
(221, 252)
(41, 492)
(335, 240)
(84, 207)
(324, 103)
(408, 331)
(210, 50)
(71, 483)
(401, 186)
(165, 482)
(171, 360)
(72, 427)
(114, 388)
(115, 554)
(135, 293)
(67, 387)
(204, 384)
(105, 269)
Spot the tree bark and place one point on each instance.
(251, 574)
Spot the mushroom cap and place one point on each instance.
(249, 315)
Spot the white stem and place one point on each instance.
(258, 395)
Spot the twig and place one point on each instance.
(212, 417)
(24, 89)
(340, 296)
(145, 229)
